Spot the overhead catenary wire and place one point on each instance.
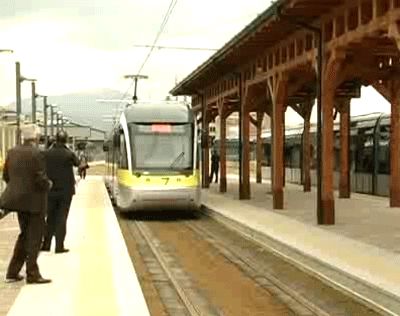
(123, 98)
(160, 31)
(126, 92)
(177, 48)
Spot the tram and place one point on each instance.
(369, 153)
(152, 158)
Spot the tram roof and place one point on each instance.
(161, 112)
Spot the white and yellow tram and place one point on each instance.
(152, 158)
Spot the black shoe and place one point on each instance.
(14, 278)
(46, 246)
(62, 250)
(38, 280)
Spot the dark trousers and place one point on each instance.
(214, 170)
(56, 221)
(83, 173)
(27, 246)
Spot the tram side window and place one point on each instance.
(267, 155)
(253, 151)
(123, 160)
(383, 154)
(336, 152)
(364, 154)
(295, 157)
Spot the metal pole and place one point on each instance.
(134, 94)
(33, 102)
(57, 122)
(52, 121)
(135, 78)
(62, 122)
(18, 100)
(45, 120)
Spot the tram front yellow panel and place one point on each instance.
(126, 178)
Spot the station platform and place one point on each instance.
(95, 278)
(364, 243)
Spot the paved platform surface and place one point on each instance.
(95, 278)
(365, 242)
(8, 234)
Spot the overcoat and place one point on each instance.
(27, 183)
(59, 166)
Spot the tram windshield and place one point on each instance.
(157, 147)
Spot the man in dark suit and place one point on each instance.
(26, 193)
(59, 166)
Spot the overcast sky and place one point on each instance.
(78, 45)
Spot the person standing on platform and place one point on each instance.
(26, 193)
(83, 165)
(60, 161)
(214, 165)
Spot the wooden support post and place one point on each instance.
(306, 166)
(253, 121)
(344, 183)
(222, 154)
(329, 84)
(278, 88)
(394, 88)
(245, 191)
(283, 147)
(328, 203)
(205, 146)
(259, 151)
(375, 9)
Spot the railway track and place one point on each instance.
(194, 302)
(366, 294)
(200, 267)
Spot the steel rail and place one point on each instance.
(283, 287)
(191, 308)
(251, 235)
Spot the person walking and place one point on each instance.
(26, 193)
(60, 161)
(83, 165)
(214, 165)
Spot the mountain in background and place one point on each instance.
(81, 107)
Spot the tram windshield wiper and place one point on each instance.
(177, 159)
